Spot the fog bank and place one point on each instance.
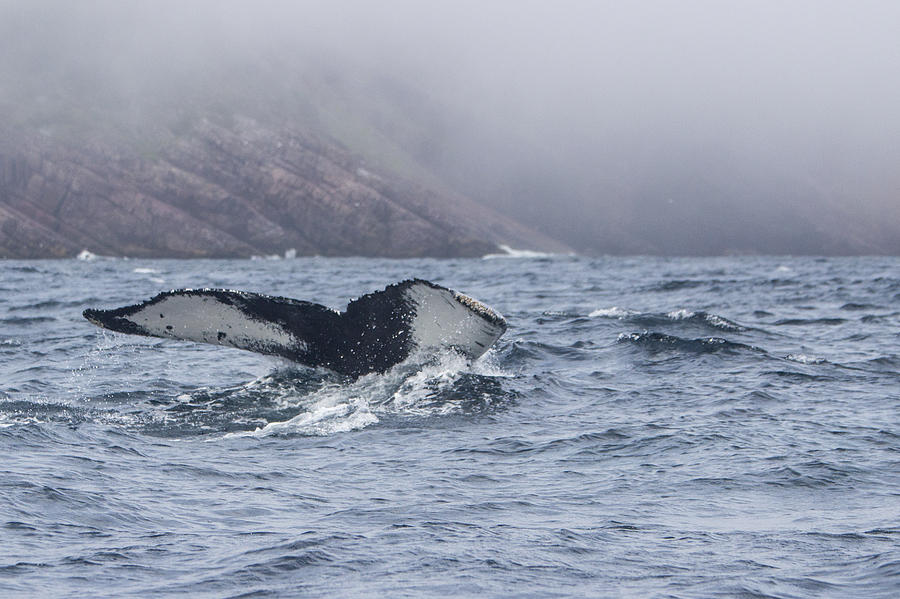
(690, 128)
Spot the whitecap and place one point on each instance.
(612, 312)
(680, 314)
(804, 359)
(723, 323)
(714, 320)
(628, 337)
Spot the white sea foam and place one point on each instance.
(681, 314)
(327, 416)
(613, 312)
(408, 389)
(86, 255)
(804, 359)
(415, 391)
(713, 319)
(722, 323)
(145, 271)
(10, 420)
(628, 337)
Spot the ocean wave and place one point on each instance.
(521, 352)
(888, 364)
(816, 474)
(809, 321)
(650, 320)
(798, 377)
(26, 320)
(854, 306)
(870, 318)
(571, 448)
(653, 341)
(713, 320)
(676, 285)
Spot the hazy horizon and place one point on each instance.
(683, 128)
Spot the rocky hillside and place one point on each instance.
(228, 188)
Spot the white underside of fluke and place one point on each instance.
(205, 319)
(445, 318)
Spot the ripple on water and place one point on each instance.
(656, 342)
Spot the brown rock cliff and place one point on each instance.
(231, 189)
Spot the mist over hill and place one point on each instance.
(696, 128)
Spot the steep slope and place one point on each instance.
(224, 189)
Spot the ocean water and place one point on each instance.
(647, 427)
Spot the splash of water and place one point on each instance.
(413, 388)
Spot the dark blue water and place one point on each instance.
(646, 428)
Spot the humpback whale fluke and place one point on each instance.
(375, 332)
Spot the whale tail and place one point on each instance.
(375, 332)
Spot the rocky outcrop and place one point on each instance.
(232, 189)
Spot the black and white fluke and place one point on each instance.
(375, 332)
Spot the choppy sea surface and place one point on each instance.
(647, 427)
